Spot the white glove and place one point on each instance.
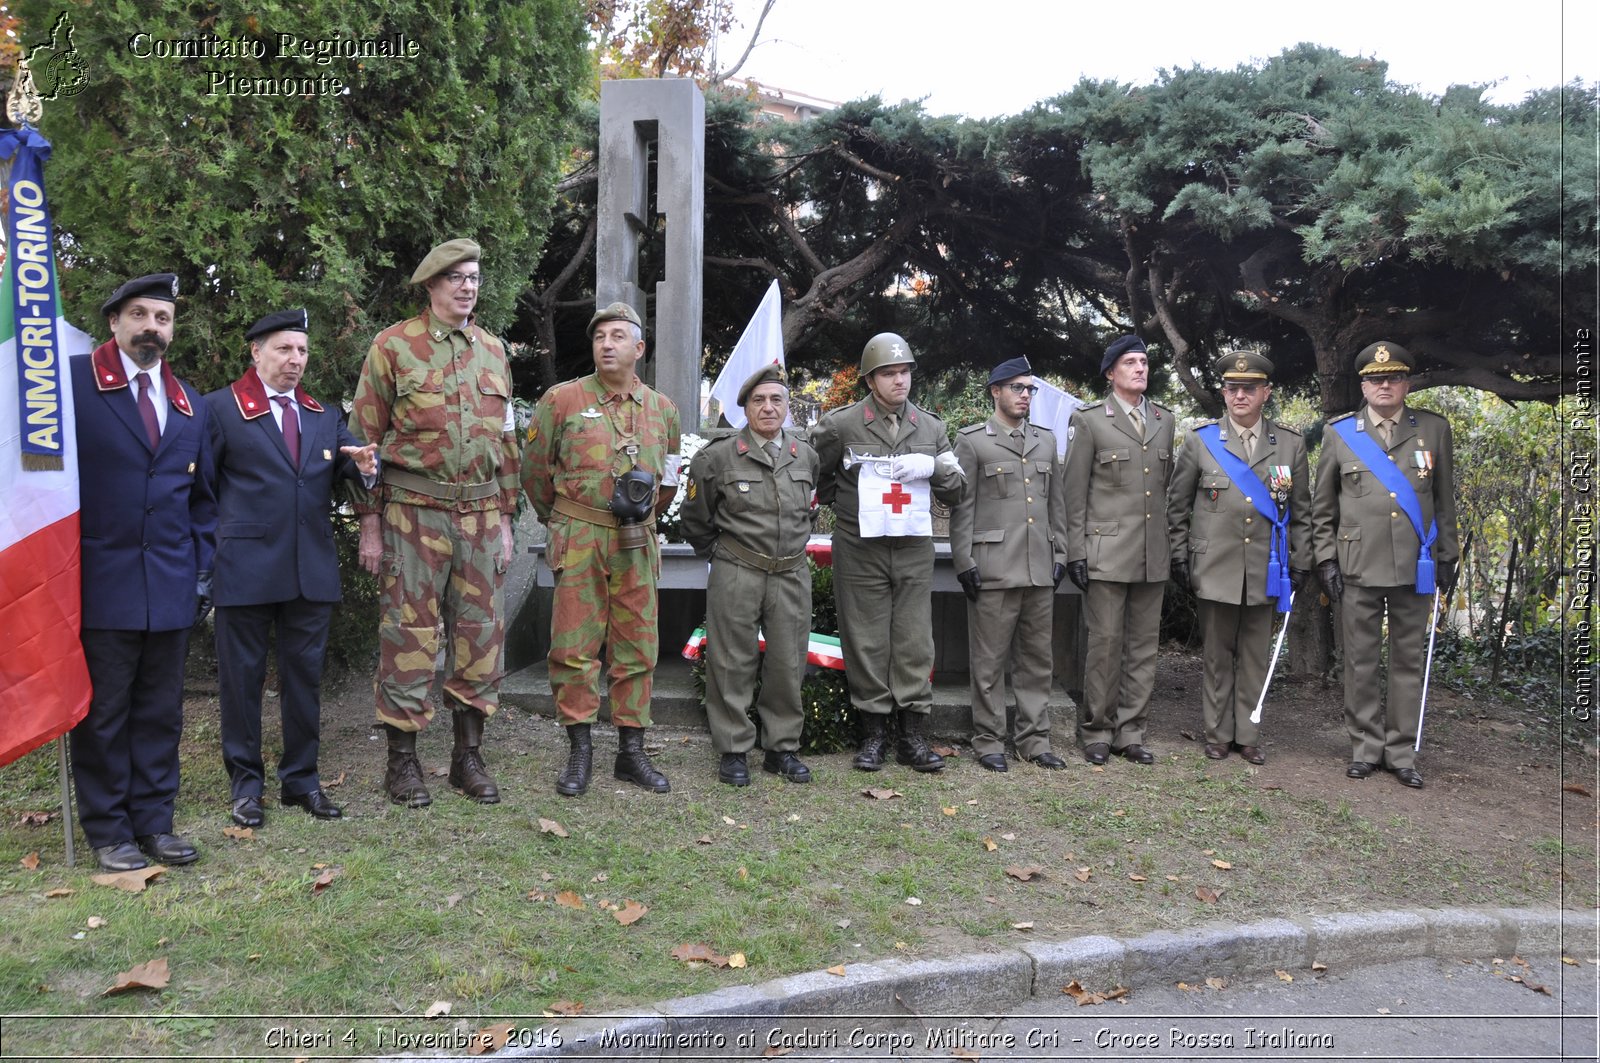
(948, 461)
(907, 467)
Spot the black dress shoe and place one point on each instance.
(1136, 753)
(1410, 777)
(247, 811)
(733, 770)
(168, 849)
(1252, 754)
(783, 762)
(1049, 760)
(1359, 769)
(1096, 752)
(122, 856)
(1216, 752)
(993, 761)
(315, 802)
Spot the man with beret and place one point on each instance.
(277, 452)
(1008, 542)
(1383, 531)
(435, 395)
(1119, 461)
(602, 459)
(750, 508)
(1240, 518)
(148, 517)
(882, 460)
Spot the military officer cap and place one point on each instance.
(1383, 357)
(1006, 370)
(771, 373)
(1243, 367)
(1120, 346)
(886, 348)
(444, 256)
(279, 321)
(615, 312)
(162, 286)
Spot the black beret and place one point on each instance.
(1242, 367)
(1383, 357)
(162, 286)
(278, 321)
(1014, 367)
(772, 372)
(1120, 346)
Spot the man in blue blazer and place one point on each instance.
(278, 452)
(148, 520)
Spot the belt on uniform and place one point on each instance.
(410, 481)
(588, 514)
(761, 562)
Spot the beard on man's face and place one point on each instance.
(147, 347)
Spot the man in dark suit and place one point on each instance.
(148, 520)
(277, 453)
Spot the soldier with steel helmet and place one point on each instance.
(1383, 531)
(882, 460)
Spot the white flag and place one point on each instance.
(761, 344)
(1052, 408)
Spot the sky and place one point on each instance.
(1022, 51)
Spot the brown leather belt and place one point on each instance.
(761, 562)
(588, 514)
(410, 481)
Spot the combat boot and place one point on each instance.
(403, 778)
(468, 772)
(913, 747)
(633, 763)
(874, 739)
(580, 761)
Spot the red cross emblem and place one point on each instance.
(897, 498)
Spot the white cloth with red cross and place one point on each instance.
(889, 506)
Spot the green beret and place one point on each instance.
(443, 257)
(616, 312)
(1243, 367)
(772, 372)
(1383, 357)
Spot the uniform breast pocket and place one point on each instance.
(985, 543)
(1349, 548)
(1113, 463)
(998, 475)
(802, 482)
(1353, 478)
(493, 394)
(1213, 493)
(738, 493)
(420, 400)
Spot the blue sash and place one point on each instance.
(1378, 462)
(1278, 583)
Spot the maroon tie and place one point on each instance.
(147, 411)
(291, 428)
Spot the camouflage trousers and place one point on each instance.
(604, 595)
(438, 565)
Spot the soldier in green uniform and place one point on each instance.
(1119, 460)
(750, 508)
(1383, 531)
(435, 395)
(881, 459)
(601, 460)
(1008, 542)
(1240, 518)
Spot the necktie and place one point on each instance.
(894, 423)
(291, 428)
(1247, 441)
(1386, 429)
(772, 450)
(1138, 421)
(147, 411)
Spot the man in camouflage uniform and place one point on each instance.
(881, 458)
(1008, 543)
(601, 461)
(750, 505)
(435, 395)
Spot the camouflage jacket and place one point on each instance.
(582, 437)
(435, 400)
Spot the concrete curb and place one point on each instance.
(996, 982)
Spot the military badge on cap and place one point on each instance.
(1243, 367)
(1383, 357)
(280, 321)
(159, 286)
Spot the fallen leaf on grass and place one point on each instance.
(1383, 1011)
(738, 960)
(452, 900)
(439, 773)
(1284, 976)
(1222, 865)
(538, 895)
(1536, 987)
(1024, 874)
(989, 845)
(129, 881)
(793, 817)
(1208, 895)
(744, 873)
(630, 912)
(1132, 877)
(1217, 983)
(565, 1007)
(1172, 878)
(1008, 837)
(729, 820)
(35, 819)
(550, 826)
(1075, 990)
(436, 1009)
(1319, 966)
(698, 953)
(601, 877)
(705, 839)
(569, 899)
(30, 862)
(152, 975)
(1083, 874)
(878, 793)
(1119, 812)
(333, 784)
(490, 1038)
(324, 880)
(914, 901)
(948, 810)
(60, 891)
(1022, 926)
(95, 922)
(945, 751)
(1570, 962)
(839, 970)
(238, 833)
(1575, 788)
(1119, 993)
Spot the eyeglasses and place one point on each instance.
(457, 279)
(1385, 378)
(1023, 389)
(1241, 389)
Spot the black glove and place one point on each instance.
(1445, 578)
(970, 582)
(1332, 580)
(1057, 574)
(634, 497)
(1180, 572)
(1297, 579)
(1078, 573)
(202, 590)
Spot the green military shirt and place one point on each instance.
(737, 490)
